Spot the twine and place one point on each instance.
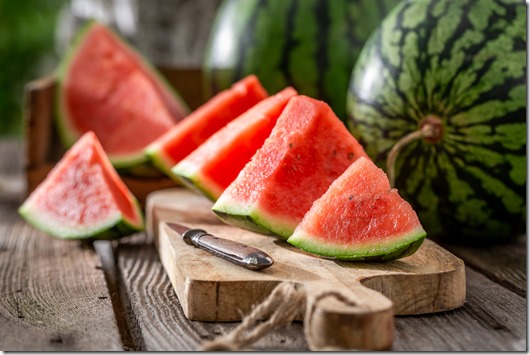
(282, 306)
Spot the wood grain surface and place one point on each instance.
(494, 317)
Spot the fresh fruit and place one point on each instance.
(450, 76)
(308, 148)
(83, 197)
(310, 45)
(191, 132)
(360, 218)
(211, 167)
(104, 86)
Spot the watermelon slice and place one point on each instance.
(211, 167)
(308, 148)
(104, 86)
(360, 218)
(188, 134)
(83, 197)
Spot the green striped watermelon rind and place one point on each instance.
(396, 248)
(472, 75)
(67, 135)
(113, 227)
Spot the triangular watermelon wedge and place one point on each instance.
(211, 167)
(308, 148)
(166, 151)
(360, 218)
(105, 86)
(83, 197)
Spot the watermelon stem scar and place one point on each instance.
(430, 129)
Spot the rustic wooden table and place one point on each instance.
(79, 296)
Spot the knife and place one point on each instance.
(235, 252)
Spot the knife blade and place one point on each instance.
(238, 253)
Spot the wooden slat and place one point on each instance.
(503, 263)
(493, 319)
(156, 317)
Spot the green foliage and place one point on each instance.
(26, 38)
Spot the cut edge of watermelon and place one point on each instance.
(188, 176)
(398, 247)
(114, 226)
(68, 134)
(254, 220)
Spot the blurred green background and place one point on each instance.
(27, 30)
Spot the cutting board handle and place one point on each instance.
(354, 319)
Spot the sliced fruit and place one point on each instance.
(104, 86)
(308, 148)
(360, 218)
(83, 197)
(191, 132)
(215, 164)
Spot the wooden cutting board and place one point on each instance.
(348, 304)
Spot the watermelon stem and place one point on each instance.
(431, 130)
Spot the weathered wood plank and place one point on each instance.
(157, 321)
(492, 319)
(53, 295)
(503, 263)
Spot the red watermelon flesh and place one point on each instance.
(83, 197)
(104, 86)
(217, 162)
(360, 218)
(196, 128)
(308, 148)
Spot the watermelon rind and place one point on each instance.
(254, 220)
(67, 133)
(398, 247)
(188, 176)
(158, 159)
(114, 227)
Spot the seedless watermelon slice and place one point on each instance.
(360, 218)
(104, 86)
(196, 128)
(83, 197)
(215, 164)
(308, 148)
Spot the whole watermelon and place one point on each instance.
(308, 44)
(458, 68)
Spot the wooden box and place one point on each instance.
(44, 149)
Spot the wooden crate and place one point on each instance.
(44, 149)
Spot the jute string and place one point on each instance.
(279, 309)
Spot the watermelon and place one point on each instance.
(308, 148)
(360, 218)
(310, 45)
(104, 86)
(182, 139)
(83, 197)
(445, 83)
(216, 163)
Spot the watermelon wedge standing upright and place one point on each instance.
(216, 163)
(83, 197)
(308, 148)
(166, 151)
(106, 87)
(360, 218)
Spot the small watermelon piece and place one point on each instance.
(187, 135)
(104, 86)
(360, 218)
(83, 197)
(308, 148)
(217, 162)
